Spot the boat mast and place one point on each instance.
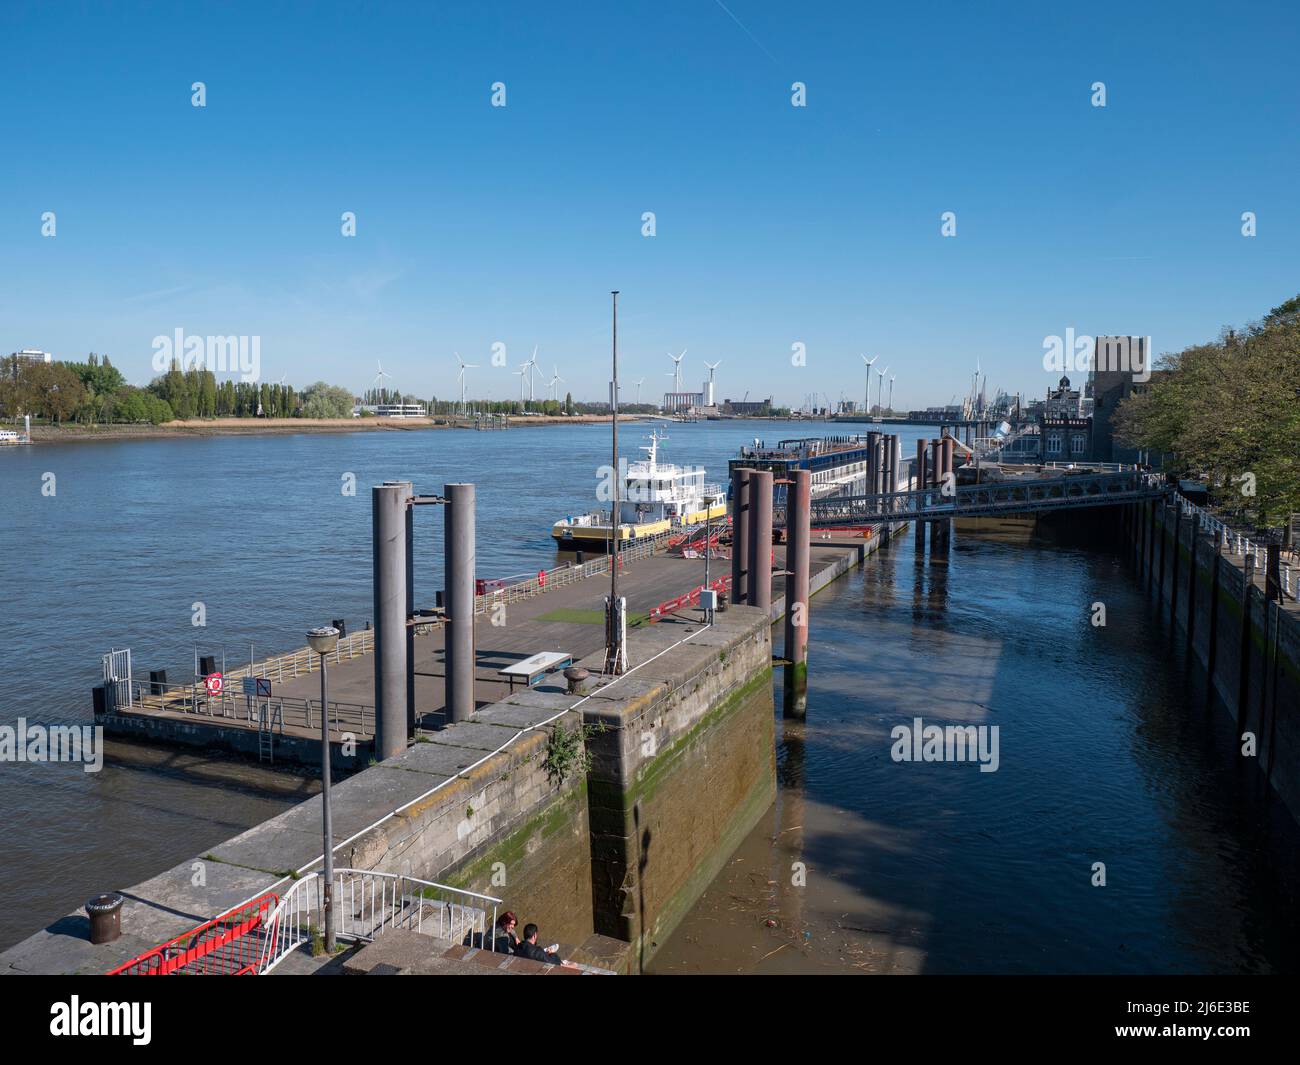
(615, 654)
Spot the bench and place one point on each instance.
(533, 668)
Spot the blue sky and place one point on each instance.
(776, 225)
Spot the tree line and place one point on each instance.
(1228, 413)
(95, 391)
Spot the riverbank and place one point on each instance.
(61, 434)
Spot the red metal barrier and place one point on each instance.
(850, 531)
(229, 945)
(690, 599)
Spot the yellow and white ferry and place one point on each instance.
(655, 498)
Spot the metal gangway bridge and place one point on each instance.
(1082, 488)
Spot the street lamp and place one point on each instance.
(323, 641)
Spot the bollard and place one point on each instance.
(459, 575)
(105, 912)
(389, 561)
(576, 675)
(760, 539)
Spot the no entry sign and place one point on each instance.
(258, 687)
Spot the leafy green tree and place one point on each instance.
(326, 401)
(1228, 412)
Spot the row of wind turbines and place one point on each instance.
(525, 373)
(528, 368)
(866, 406)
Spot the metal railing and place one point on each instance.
(296, 663)
(1241, 545)
(569, 574)
(929, 504)
(941, 502)
(356, 718)
(229, 945)
(366, 903)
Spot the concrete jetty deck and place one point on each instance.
(567, 618)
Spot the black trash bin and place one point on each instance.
(105, 917)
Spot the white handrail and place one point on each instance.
(1237, 544)
(366, 902)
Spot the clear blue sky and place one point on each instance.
(776, 224)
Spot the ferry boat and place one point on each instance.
(655, 498)
(12, 436)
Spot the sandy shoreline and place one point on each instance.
(50, 434)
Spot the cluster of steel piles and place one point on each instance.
(936, 469)
(394, 605)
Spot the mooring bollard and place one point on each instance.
(576, 676)
(105, 912)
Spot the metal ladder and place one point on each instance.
(266, 725)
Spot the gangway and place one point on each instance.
(1081, 489)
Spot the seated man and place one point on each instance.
(528, 948)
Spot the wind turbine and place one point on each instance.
(556, 379)
(677, 369)
(461, 375)
(638, 391)
(379, 380)
(866, 404)
(880, 391)
(531, 364)
(891, 393)
(523, 373)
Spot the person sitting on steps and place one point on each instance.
(528, 948)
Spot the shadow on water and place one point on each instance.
(1109, 756)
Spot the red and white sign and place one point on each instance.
(213, 683)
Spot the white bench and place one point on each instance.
(531, 669)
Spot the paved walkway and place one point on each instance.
(569, 619)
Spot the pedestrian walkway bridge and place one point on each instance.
(1082, 489)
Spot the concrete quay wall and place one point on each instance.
(1248, 646)
(504, 805)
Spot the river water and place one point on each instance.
(1107, 753)
(259, 531)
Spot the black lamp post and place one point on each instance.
(323, 641)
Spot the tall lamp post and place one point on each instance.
(323, 641)
(615, 614)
